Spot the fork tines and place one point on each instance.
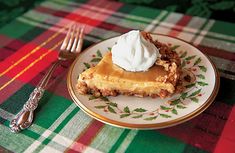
(74, 39)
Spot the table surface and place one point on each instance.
(27, 49)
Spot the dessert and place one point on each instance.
(137, 65)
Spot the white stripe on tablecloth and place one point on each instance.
(61, 143)
(203, 32)
(171, 20)
(196, 22)
(186, 36)
(223, 64)
(228, 76)
(55, 29)
(215, 43)
(49, 149)
(221, 36)
(32, 148)
(124, 145)
(6, 115)
(51, 128)
(106, 138)
(165, 26)
(152, 25)
(91, 150)
(70, 131)
(41, 25)
(195, 25)
(46, 133)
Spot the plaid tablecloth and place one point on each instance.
(29, 44)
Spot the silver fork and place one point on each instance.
(70, 47)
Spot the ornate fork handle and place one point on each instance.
(69, 49)
(25, 117)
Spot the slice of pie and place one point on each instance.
(108, 79)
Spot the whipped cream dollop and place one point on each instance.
(133, 52)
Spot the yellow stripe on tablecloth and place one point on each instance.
(30, 65)
(34, 50)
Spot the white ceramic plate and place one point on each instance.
(148, 113)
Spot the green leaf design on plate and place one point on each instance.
(175, 47)
(138, 116)
(175, 102)
(180, 106)
(190, 85)
(95, 59)
(184, 95)
(190, 57)
(195, 93)
(165, 108)
(174, 111)
(87, 65)
(98, 53)
(194, 99)
(197, 61)
(113, 104)
(124, 115)
(140, 110)
(93, 97)
(150, 118)
(184, 54)
(104, 98)
(165, 115)
(111, 110)
(201, 76)
(203, 68)
(100, 107)
(200, 83)
(126, 109)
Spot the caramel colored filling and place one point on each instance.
(106, 77)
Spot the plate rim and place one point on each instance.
(116, 123)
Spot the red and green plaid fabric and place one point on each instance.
(30, 43)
